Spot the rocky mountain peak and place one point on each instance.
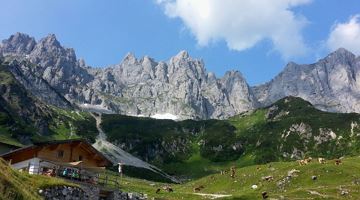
(19, 37)
(181, 85)
(50, 41)
(234, 79)
(342, 51)
(331, 84)
(340, 56)
(82, 63)
(290, 64)
(291, 67)
(146, 60)
(129, 59)
(182, 55)
(233, 75)
(183, 63)
(211, 77)
(49, 52)
(18, 43)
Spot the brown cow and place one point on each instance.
(168, 188)
(302, 162)
(305, 161)
(267, 178)
(264, 195)
(338, 162)
(197, 189)
(232, 169)
(308, 160)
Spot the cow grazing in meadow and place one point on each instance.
(305, 161)
(338, 162)
(233, 172)
(168, 188)
(322, 160)
(199, 188)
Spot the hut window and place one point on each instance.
(80, 158)
(60, 154)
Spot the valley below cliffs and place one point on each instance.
(172, 121)
(49, 94)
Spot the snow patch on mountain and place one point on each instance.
(165, 116)
(95, 108)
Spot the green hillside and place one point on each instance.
(332, 182)
(23, 118)
(262, 142)
(290, 129)
(15, 185)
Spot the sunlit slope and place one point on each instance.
(332, 182)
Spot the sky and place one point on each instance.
(257, 38)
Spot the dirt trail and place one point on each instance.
(213, 196)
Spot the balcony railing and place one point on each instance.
(78, 175)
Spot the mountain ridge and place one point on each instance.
(331, 84)
(181, 86)
(289, 129)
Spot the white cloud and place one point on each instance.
(242, 23)
(346, 35)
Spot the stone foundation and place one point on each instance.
(85, 192)
(91, 191)
(63, 193)
(118, 195)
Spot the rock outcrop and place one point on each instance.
(19, 43)
(85, 192)
(180, 87)
(331, 84)
(65, 193)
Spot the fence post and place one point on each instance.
(28, 168)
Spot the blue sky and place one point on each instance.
(102, 32)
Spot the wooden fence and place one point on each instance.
(104, 179)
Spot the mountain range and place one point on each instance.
(179, 88)
(46, 93)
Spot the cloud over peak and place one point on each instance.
(346, 35)
(242, 24)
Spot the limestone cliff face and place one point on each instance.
(180, 87)
(331, 84)
(19, 43)
(20, 110)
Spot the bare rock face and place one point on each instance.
(18, 44)
(331, 84)
(58, 65)
(37, 85)
(180, 87)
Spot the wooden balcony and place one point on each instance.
(75, 172)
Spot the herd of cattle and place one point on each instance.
(264, 194)
(320, 160)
